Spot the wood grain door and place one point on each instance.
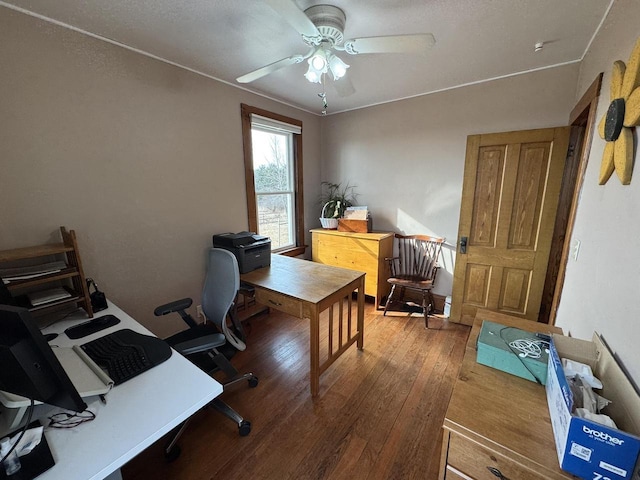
(509, 198)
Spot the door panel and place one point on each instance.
(487, 196)
(515, 285)
(510, 193)
(530, 184)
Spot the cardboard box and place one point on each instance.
(494, 351)
(587, 449)
(357, 226)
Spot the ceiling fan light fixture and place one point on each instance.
(322, 30)
(318, 65)
(313, 76)
(337, 66)
(318, 61)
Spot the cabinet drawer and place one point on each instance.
(355, 254)
(345, 255)
(475, 461)
(280, 302)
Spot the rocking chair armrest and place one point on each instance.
(394, 264)
(435, 273)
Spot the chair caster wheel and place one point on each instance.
(253, 382)
(244, 428)
(172, 454)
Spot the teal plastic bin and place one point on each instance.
(519, 359)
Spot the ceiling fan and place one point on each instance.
(322, 29)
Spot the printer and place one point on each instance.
(252, 251)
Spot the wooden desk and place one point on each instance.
(306, 289)
(497, 420)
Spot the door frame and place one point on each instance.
(583, 115)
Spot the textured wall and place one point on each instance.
(143, 159)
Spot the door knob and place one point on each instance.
(463, 244)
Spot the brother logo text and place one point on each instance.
(602, 435)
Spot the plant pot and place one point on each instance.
(329, 223)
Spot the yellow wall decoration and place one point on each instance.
(623, 115)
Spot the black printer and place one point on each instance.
(251, 250)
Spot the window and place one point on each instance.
(273, 171)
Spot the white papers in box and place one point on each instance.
(585, 448)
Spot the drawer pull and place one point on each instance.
(497, 473)
(277, 304)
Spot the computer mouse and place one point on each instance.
(50, 336)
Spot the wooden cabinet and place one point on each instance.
(497, 425)
(69, 276)
(363, 252)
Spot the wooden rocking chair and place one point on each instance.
(415, 268)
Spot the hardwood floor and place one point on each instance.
(379, 413)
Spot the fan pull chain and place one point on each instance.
(323, 95)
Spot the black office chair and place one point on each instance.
(204, 344)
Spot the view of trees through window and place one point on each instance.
(273, 177)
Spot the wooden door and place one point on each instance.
(509, 197)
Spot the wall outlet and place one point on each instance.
(199, 312)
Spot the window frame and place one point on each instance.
(252, 210)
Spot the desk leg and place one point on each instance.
(361, 314)
(314, 349)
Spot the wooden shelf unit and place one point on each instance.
(362, 252)
(71, 278)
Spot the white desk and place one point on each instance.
(137, 413)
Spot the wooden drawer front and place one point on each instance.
(473, 460)
(354, 254)
(280, 302)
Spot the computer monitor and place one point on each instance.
(29, 366)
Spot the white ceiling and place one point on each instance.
(476, 40)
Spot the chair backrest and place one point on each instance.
(221, 287)
(417, 256)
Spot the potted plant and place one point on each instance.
(335, 199)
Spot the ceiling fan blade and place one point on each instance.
(267, 69)
(295, 17)
(392, 44)
(344, 87)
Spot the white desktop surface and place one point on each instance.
(137, 413)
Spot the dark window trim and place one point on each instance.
(246, 111)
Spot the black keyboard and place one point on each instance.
(124, 354)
